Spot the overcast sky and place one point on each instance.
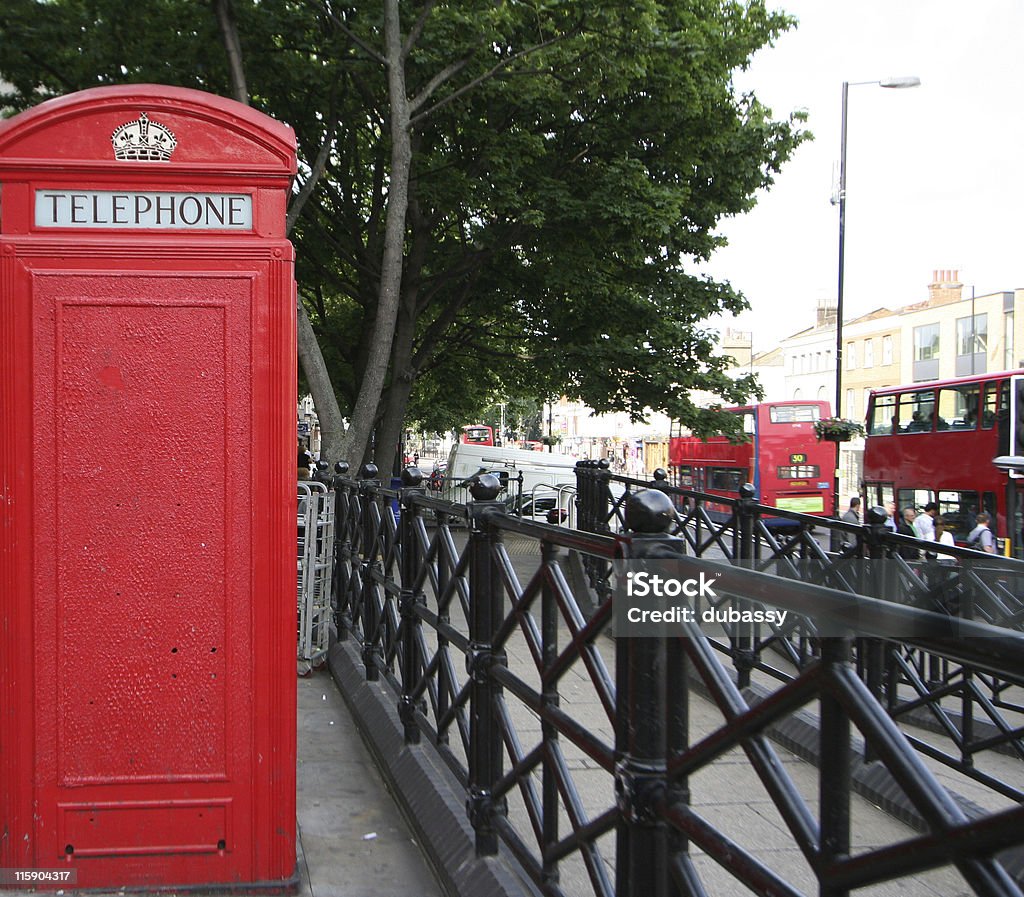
(935, 174)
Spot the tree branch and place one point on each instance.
(417, 30)
(296, 205)
(366, 48)
(444, 74)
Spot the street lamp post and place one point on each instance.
(892, 83)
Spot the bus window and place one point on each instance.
(883, 415)
(686, 476)
(916, 410)
(912, 498)
(798, 472)
(990, 405)
(748, 422)
(880, 494)
(793, 414)
(958, 407)
(959, 509)
(1003, 418)
(1018, 440)
(726, 479)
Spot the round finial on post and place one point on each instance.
(412, 476)
(368, 471)
(341, 467)
(877, 515)
(650, 512)
(485, 487)
(603, 464)
(747, 490)
(660, 475)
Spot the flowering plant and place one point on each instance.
(837, 429)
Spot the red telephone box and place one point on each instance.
(147, 491)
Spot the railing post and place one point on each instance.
(659, 480)
(743, 654)
(342, 553)
(584, 500)
(368, 606)
(871, 653)
(834, 777)
(642, 720)
(967, 612)
(409, 601)
(486, 604)
(549, 698)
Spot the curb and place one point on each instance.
(426, 791)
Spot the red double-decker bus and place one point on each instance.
(782, 458)
(478, 434)
(936, 441)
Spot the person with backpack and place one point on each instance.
(980, 538)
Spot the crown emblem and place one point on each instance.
(143, 141)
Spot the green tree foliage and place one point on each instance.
(570, 163)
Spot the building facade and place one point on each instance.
(951, 333)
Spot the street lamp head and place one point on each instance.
(901, 83)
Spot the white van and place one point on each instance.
(535, 468)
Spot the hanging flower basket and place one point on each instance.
(837, 429)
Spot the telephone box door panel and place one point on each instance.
(143, 645)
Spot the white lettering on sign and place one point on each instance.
(130, 209)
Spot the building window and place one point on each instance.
(971, 344)
(869, 353)
(851, 356)
(926, 352)
(851, 411)
(886, 350)
(971, 334)
(926, 343)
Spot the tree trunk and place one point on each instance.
(233, 47)
(372, 386)
(392, 425)
(332, 429)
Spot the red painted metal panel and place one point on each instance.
(147, 388)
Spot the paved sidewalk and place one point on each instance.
(353, 839)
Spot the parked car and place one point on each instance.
(543, 507)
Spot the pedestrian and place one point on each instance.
(844, 540)
(981, 538)
(906, 528)
(942, 534)
(891, 520)
(924, 523)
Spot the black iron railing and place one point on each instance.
(579, 753)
